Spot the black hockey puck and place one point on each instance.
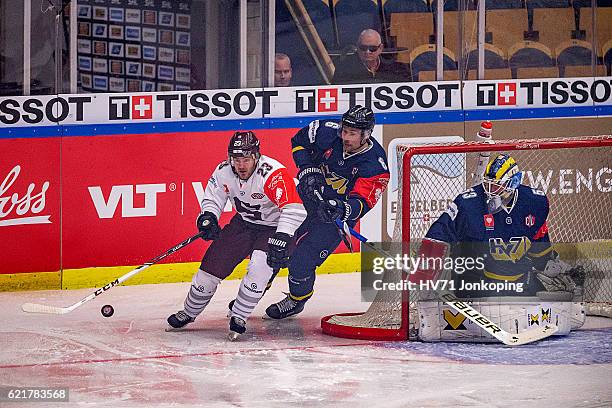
(107, 311)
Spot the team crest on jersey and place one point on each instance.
(530, 220)
(257, 196)
(508, 220)
(489, 222)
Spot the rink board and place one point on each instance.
(94, 207)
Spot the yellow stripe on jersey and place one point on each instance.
(297, 148)
(512, 278)
(541, 254)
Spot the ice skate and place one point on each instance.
(285, 308)
(178, 320)
(237, 327)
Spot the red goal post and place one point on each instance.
(574, 217)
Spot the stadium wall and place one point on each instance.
(92, 185)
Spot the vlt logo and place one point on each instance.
(106, 208)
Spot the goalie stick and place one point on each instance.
(38, 308)
(468, 311)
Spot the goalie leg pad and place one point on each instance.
(252, 286)
(438, 322)
(577, 314)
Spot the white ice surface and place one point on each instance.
(129, 360)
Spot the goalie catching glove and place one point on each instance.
(208, 226)
(278, 250)
(311, 182)
(557, 278)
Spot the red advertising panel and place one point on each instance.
(128, 198)
(124, 198)
(30, 205)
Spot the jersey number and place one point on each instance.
(249, 211)
(264, 169)
(469, 193)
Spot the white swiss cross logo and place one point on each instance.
(327, 100)
(142, 107)
(506, 93)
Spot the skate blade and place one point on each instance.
(233, 336)
(171, 329)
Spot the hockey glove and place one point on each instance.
(209, 227)
(560, 283)
(332, 210)
(278, 250)
(555, 276)
(310, 179)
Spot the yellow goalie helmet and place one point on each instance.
(502, 177)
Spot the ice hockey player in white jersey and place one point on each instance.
(268, 212)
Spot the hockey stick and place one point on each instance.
(472, 314)
(37, 308)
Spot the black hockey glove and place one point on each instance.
(331, 210)
(209, 227)
(278, 250)
(310, 179)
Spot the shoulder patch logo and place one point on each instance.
(489, 222)
(382, 163)
(312, 130)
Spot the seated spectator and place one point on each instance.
(367, 66)
(282, 70)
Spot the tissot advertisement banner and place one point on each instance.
(270, 103)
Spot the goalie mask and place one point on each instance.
(243, 145)
(500, 181)
(361, 118)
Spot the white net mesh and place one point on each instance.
(577, 181)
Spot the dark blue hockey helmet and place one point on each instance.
(359, 117)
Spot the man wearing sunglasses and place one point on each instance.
(368, 66)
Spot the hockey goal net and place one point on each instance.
(576, 175)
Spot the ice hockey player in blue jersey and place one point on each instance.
(342, 174)
(503, 221)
